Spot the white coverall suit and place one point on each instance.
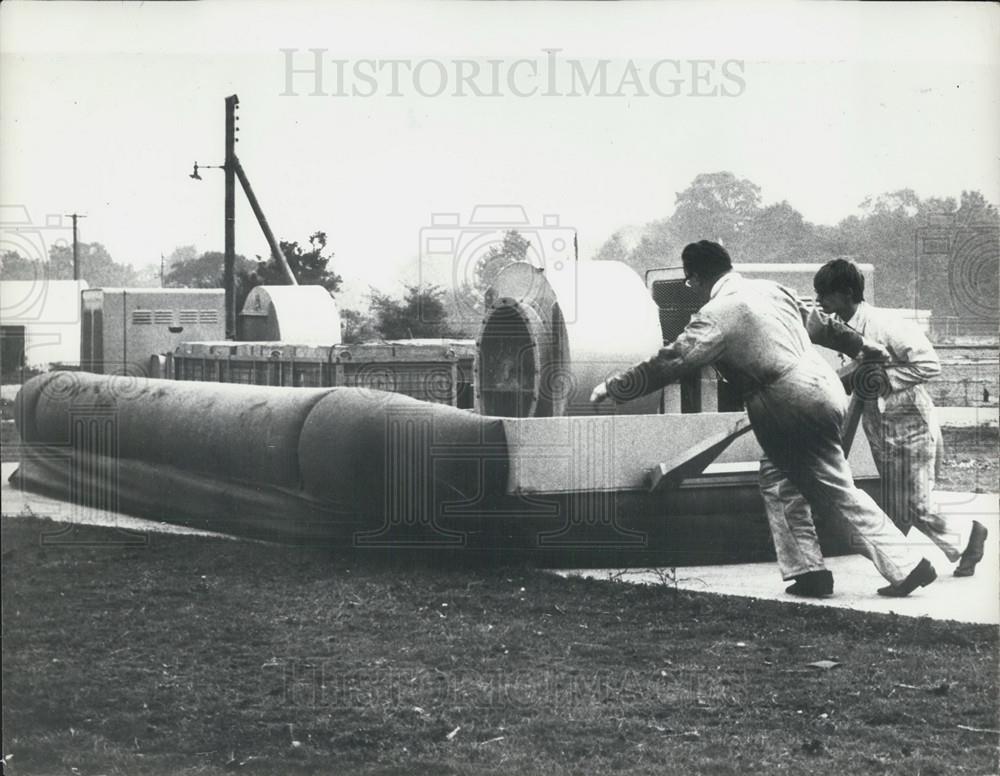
(903, 433)
(757, 334)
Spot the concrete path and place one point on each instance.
(975, 599)
(967, 417)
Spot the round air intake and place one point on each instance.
(550, 335)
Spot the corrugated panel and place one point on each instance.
(439, 371)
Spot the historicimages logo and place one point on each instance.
(320, 72)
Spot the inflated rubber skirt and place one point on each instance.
(344, 464)
(362, 469)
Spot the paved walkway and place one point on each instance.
(975, 599)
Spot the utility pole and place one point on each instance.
(76, 254)
(234, 170)
(229, 167)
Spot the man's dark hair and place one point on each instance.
(706, 259)
(843, 276)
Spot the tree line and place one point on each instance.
(718, 206)
(886, 232)
(95, 266)
(423, 311)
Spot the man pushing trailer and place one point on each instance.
(757, 334)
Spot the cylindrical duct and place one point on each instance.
(399, 458)
(364, 466)
(550, 335)
(217, 430)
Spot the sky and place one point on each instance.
(104, 108)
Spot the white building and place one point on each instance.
(40, 322)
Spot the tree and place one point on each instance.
(613, 249)
(420, 313)
(308, 266)
(179, 255)
(716, 206)
(658, 246)
(187, 269)
(884, 235)
(13, 266)
(204, 271)
(904, 202)
(357, 326)
(642, 248)
(886, 232)
(464, 310)
(778, 233)
(96, 265)
(975, 210)
(513, 248)
(465, 306)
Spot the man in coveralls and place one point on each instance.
(757, 334)
(901, 424)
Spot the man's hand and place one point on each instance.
(873, 351)
(599, 394)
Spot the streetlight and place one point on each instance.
(197, 166)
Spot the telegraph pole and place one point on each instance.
(233, 170)
(76, 255)
(229, 167)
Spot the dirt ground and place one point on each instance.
(188, 655)
(971, 460)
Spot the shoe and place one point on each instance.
(973, 552)
(921, 576)
(812, 584)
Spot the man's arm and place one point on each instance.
(700, 344)
(829, 332)
(913, 358)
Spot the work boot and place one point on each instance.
(921, 576)
(812, 584)
(973, 552)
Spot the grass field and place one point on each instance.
(187, 655)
